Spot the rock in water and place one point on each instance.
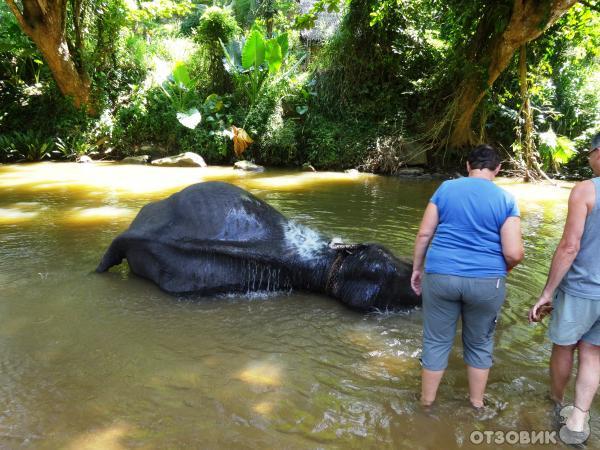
(248, 166)
(141, 159)
(187, 159)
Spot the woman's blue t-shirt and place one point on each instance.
(467, 239)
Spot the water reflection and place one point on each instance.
(91, 361)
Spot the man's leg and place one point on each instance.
(561, 366)
(586, 384)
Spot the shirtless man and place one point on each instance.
(573, 290)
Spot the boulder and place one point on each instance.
(187, 159)
(410, 172)
(141, 159)
(308, 168)
(248, 166)
(352, 171)
(84, 159)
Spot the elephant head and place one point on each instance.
(370, 277)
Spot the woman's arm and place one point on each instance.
(426, 231)
(512, 242)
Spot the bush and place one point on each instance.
(279, 145)
(216, 25)
(331, 144)
(191, 21)
(25, 146)
(149, 119)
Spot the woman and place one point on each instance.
(474, 230)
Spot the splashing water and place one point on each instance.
(302, 240)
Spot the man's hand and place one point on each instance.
(542, 308)
(416, 280)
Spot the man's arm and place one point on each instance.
(512, 242)
(568, 247)
(426, 231)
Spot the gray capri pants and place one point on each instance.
(477, 301)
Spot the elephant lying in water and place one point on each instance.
(213, 238)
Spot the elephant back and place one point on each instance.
(210, 211)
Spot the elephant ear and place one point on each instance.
(359, 294)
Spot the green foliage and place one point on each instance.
(179, 88)
(191, 20)
(279, 145)
(150, 124)
(25, 146)
(253, 52)
(256, 61)
(307, 20)
(74, 146)
(150, 15)
(331, 144)
(555, 150)
(389, 69)
(245, 11)
(376, 64)
(216, 25)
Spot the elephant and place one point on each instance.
(215, 238)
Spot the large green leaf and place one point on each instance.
(565, 150)
(556, 150)
(253, 53)
(181, 75)
(273, 55)
(282, 40)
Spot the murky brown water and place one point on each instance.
(111, 362)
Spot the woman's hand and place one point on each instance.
(416, 281)
(541, 308)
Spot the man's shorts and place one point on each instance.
(574, 319)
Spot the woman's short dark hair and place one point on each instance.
(484, 156)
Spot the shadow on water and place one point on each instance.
(112, 362)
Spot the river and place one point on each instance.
(110, 361)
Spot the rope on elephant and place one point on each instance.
(335, 267)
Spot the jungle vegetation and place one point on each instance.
(368, 84)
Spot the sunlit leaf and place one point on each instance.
(181, 75)
(282, 40)
(556, 150)
(548, 138)
(253, 53)
(273, 55)
(565, 150)
(189, 119)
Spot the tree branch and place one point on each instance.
(15, 10)
(590, 5)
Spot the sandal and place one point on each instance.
(572, 437)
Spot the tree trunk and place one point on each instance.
(529, 19)
(528, 149)
(44, 23)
